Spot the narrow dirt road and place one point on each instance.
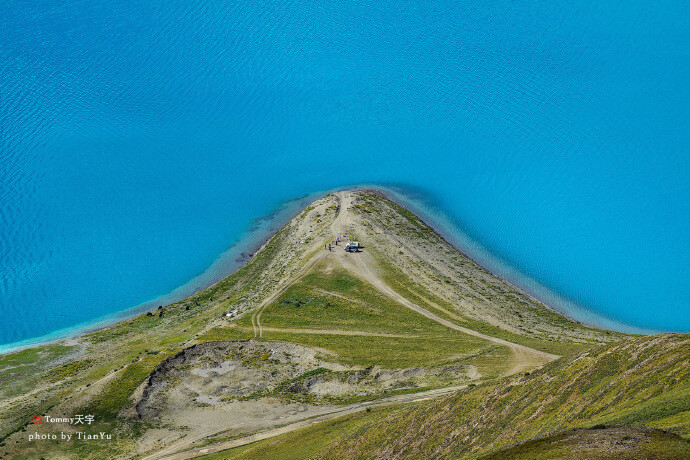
(345, 410)
(332, 332)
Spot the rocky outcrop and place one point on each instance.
(158, 379)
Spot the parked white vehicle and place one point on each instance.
(352, 246)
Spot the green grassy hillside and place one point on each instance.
(331, 299)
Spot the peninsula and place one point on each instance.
(402, 347)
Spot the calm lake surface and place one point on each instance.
(139, 140)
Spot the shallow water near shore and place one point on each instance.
(139, 141)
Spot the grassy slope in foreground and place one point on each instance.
(640, 382)
(100, 372)
(609, 443)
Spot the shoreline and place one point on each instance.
(262, 228)
(418, 203)
(258, 232)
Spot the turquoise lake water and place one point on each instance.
(139, 141)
